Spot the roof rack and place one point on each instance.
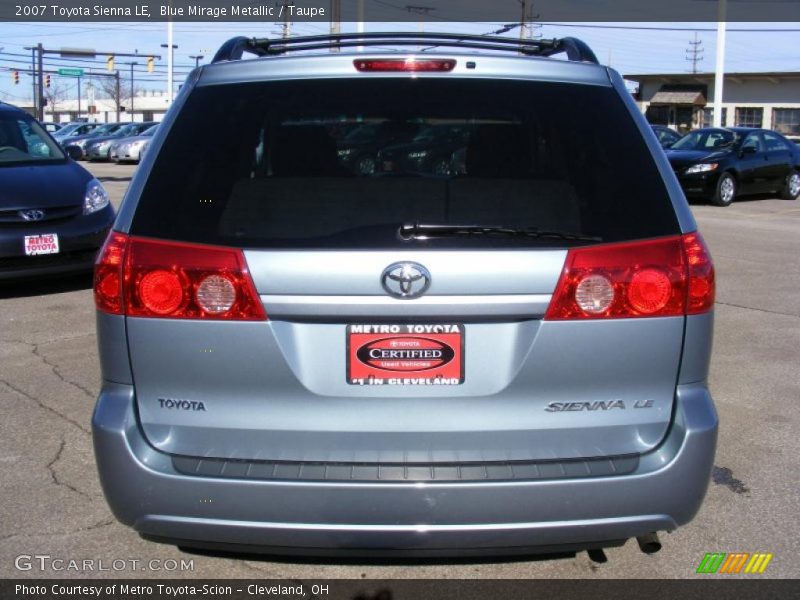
(575, 49)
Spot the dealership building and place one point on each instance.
(683, 101)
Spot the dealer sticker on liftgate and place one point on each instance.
(46, 243)
(405, 354)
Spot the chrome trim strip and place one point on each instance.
(508, 305)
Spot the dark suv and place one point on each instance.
(510, 357)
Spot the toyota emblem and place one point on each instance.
(405, 280)
(32, 215)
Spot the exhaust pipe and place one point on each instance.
(649, 543)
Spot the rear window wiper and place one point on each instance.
(410, 231)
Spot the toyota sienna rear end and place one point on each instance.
(507, 352)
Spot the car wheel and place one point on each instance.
(791, 190)
(726, 190)
(366, 165)
(441, 167)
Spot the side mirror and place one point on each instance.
(748, 150)
(73, 152)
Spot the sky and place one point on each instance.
(631, 48)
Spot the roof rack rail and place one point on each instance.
(575, 49)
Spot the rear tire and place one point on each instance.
(791, 189)
(726, 190)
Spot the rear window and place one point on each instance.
(344, 163)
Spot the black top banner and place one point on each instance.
(423, 11)
(388, 589)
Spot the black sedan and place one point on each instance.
(430, 151)
(53, 214)
(722, 164)
(666, 136)
(358, 149)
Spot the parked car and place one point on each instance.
(430, 151)
(130, 149)
(358, 149)
(79, 141)
(666, 136)
(296, 359)
(74, 129)
(99, 148)
(720, 165)
(53, 214)
(51, 127)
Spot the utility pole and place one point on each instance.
(132, 90)
(422, 11)
(360, 22)
(287, 23)
(336, 21)
(79, 97)
(719, 72)
(33, 80)
(694, 53)
(40, 84)
(526, 21)
(116, 77)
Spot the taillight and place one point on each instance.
(373, 65)
(108, 274)
(656, 278)
(175, 280)
(701, 274)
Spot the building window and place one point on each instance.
(147, 115)
(749, 117)
(708, 116)
(786, 120)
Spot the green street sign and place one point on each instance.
(71, 72)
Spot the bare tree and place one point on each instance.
(107, 88)
(55, 94)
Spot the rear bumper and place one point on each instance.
(411, 518)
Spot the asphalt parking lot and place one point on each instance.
(51, 502)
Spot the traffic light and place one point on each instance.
(47, 81)
(15, 77)
(110, 62)
(149, 64)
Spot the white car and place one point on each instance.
(130, 149)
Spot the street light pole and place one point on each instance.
(197, 58)
(171, 47)
(719, 72)
(132, 90)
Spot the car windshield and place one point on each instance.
(705, 139)
(23, 140)
(361, 133)
(67, 129)
(103, 130)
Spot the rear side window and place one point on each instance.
(344, 163)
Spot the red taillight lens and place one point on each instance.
(404, 64)
(188, 281)
(700, 295)
(152, 278)
(161, 292)
(108, 274)
(656, 278)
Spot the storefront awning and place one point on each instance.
(687, 98)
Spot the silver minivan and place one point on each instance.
(509, 356)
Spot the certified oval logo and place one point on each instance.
(405, 354)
